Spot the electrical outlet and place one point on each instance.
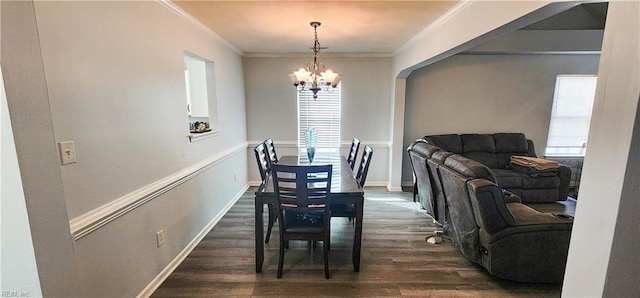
(67, 152)
(160, 237)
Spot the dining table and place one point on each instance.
(344, 190)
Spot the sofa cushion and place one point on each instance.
(508, 178)
(469, 167)
(478, 142)
(480, 147)
(440, 156)
(486, 158)
(503, 159)
(448, 142)
(510, 142)
(539, 182)
(424, 149)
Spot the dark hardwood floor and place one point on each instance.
(396, 260)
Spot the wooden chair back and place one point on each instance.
(302, 187)
(361, 175)
(271, 151)
(261, 159)
(353, 152)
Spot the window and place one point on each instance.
(323, 114)
(199, 75)
(570, 115)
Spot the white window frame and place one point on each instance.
(313, 113)
(571, 115)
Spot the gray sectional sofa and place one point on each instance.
(467, 184)
(509, 239)
(495, 151)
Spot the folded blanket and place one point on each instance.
(536, 163)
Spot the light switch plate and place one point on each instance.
(160, 238)
(67, 152)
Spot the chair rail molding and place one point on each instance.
(294, 144)
(86, 223)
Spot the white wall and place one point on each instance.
(28, 103)
(122, 98)
(487, 94)
(115, 85)
(366, 89)
(19, 274)
(603, 260)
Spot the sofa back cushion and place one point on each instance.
(508, 144)
(424, 149)
(440, 156)
(448, 142)
(480, 147)
(493, 150)
(469, 168)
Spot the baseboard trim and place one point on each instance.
(166, 272)
(393, 188)
(372, 183)
(376, 183)
(87, 223)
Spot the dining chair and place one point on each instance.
(348, 210)
(303, 194)
(353, 152)
(361, 175)
(263, 167)
(271, 151)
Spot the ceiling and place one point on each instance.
(272, 27)
(282, 27)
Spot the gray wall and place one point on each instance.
(366, 92)
(115, 85)
(487, 94)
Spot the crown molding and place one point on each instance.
(307, 55)
(505, 53)
(442, 19)
(177, 10)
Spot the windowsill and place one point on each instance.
(194, 137)
(564, 156)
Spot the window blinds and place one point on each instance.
(570, 115)
(323, 114)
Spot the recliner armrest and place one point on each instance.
(510, 197)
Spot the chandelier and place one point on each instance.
(309, 78)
